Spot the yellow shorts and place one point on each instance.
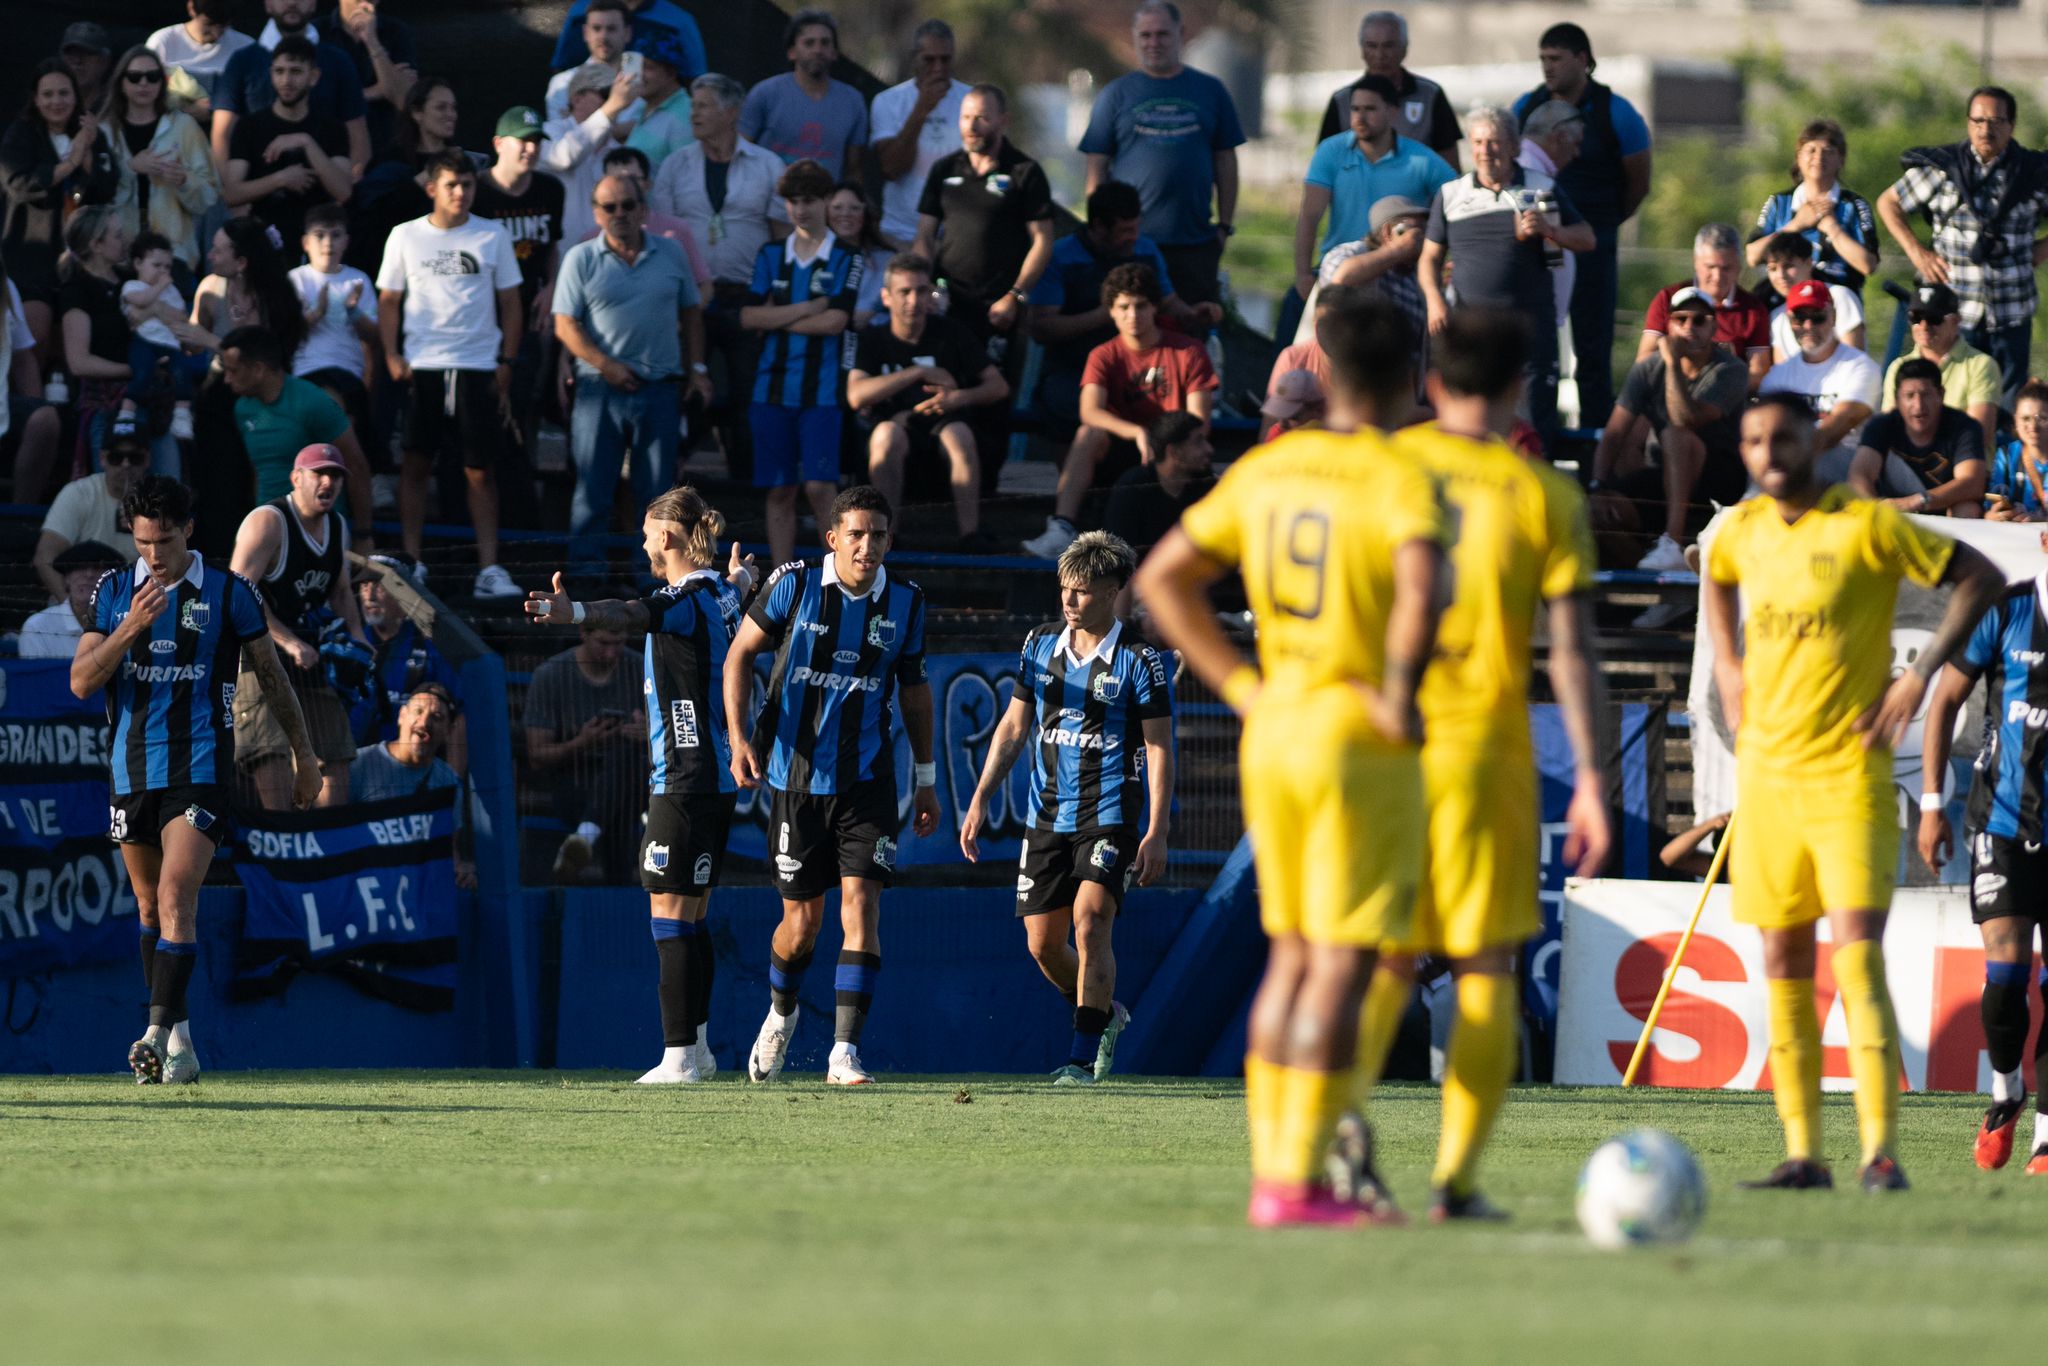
(1806, 846)
(1479, 879)
(1336, 819)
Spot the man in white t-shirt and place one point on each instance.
(89, 509)
(53, 632)
(451, 281)
(913, 124)
(1840, 382)
(199, 48)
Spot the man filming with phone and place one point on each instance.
(586, 743)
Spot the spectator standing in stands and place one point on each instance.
(89, 510)
(724, 187)
(410, 762)
(87, 50)
(1984, 197)
(1742, 321)
(1839, 383)
(651, 21)
(1172, 131)
(1835, 221)
(853, 217)
(1068, 317)
(166, 179)
(803, 114)
(53, 632)
(285, 158)
(1146, 502)
(452, 282)
(1353, 171)
(406, 659)
(1969, 378)
(280, 416)
(246, 85)
(985, 220)
(801, 300)
(394, 189)
(630, 165)
(914, 123)
(1422, 112)
(54, 161)
(1788, 260)
(619, 305)
(608, 32)
(200, 48)
(380, 48)
(586, 736)
(530, 208)
(1673, 432)
(340, 306)
(1551, 134)
(1923, 456)
(293, 550)
(575, 144)
(664, 129)
(1608, 182)
(918, 378)
(1491, 226)
(1130, 382)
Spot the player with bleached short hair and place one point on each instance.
(1096, 707)
(689, 623)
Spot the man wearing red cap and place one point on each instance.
(291, 548)
(1837, 381)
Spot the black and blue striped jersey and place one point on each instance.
(838, 657)
(690, 625)
(1088, 727)
(2009, 649)
(798, 371)
(171, 703)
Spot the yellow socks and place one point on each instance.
(1477, 1071)
(1293, 1114)
(1379, 1020)
(1262, 1107)
(1873, 1044)
(1795, 1063)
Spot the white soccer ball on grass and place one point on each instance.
(1640, 1189)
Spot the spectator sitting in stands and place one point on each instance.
(87, 50)
(1683, 405)
(1835, 221)
(47, 189)
(586, 737)
(89, 509)
(1923, 456)
(1969, 378)
(1788, 260)
(1741, 321)
(28, 440)
(918, 378)
(665, 128)
(1130, 382)
(410, 762)
(198, 50)
(1145, 503)
(1383, 264)
(53, 632)
(2019, 473)
(576, 142)
(1295, 401)
(1838, 382)
(853, 218)
(156, 349)
(1068, 317)
(406, 658)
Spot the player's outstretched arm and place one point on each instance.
(748, 644)
(1173, 583)
(1974, 583)
(1151, 857)
(1004, 745)
(1581, 693)
(1419, 572)
(1937, 736)
(916, 701)
(608, 614)
(261, 657)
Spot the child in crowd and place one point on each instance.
(1788, 260)
(153, 306)
(341, 317)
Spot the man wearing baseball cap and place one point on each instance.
(53, 632)
(87, 50)
(294, 550)
(1840, 383)
(1969, 378)
(526, 205)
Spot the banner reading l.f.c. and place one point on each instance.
(64, 896)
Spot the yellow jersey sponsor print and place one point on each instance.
(1817, 600)
(1311, 521)
(1519, 537)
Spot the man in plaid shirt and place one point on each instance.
(1984, 197)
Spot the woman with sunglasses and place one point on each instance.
(162, 158)
(53, 161)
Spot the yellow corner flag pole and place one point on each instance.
(1635, 1060)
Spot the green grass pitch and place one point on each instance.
(407, 1218)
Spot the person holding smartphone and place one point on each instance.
(586, 743)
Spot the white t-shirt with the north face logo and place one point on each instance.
(450, 278)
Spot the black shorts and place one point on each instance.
(2007, 877)
(684, 847)
(140, 817)
(457, 408)
(814, 841)
(923, 434)
(1053, 867)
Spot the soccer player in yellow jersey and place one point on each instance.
(1520, 543)
(1338, 538)
(1816, 572)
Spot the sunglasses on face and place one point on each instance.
(124, 455)
(138, 76)
(1924, 319)
(617, 205)
(1809, 315)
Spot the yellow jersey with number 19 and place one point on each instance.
(1519, 537)
(1311, 521)
(1817, 598)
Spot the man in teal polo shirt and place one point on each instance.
(1352, 171)
(625, 307)
(278, 415)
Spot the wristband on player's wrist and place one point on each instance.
(1932, 801)
(925, 775)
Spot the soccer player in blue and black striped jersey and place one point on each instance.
(2004, 822)
(844, 635)
(801, 300)
(688, 623)
(1094, 705)
(168, 635)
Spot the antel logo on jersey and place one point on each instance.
(832, 682)
(846, 656)
(682, 722)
